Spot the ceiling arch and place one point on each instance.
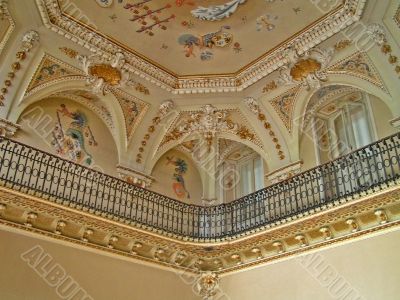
(57, 88)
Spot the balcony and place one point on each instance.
(363, 172)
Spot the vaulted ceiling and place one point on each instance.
(196, 45)
(170, 35)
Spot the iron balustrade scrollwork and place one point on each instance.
(32, 171)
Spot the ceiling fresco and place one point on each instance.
(192, 37)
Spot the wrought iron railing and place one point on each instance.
(29, 170)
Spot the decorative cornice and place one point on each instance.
(340, 18)
(312, 230)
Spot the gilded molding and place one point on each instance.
(208, 123)
(284, 106)
(57, 21)
(28, 41)
(165, 110)
(111, 235)
(49, 69)
(359, 65)
(255, 108)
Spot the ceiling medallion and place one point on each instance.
(307, 69)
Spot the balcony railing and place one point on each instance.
(37, 173)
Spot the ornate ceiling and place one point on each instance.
(194, 45)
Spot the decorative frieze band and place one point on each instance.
(344, 16)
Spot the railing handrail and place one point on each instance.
(93, 170)
(210, 206)
(378, 163)
(300, 174)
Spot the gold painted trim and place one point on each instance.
(17, 201)
(50, 57)
(229, 242)
(201, 76)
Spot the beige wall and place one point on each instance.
(166, 184)
(382, 116)
(102, 277)
(307, 151)
(370, 267)
(38, 129)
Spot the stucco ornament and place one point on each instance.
(165, 108)
(208, 123)
(217, 12)
(377, 33)
(252, 104)
(29, 39)
(104, 75)
(207, 285)
(307, 69)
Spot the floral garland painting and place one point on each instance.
(71, 135)
(181, 168)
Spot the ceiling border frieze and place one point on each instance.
(340, 18)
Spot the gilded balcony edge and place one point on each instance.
(312, 215)
(370, 203)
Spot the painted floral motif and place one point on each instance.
(205, 43)
(284, 106)
(181, 168)
(72, 135)
(132, 110)
(49, 69)
(266, 22)
(357, 65)
(150, 17)
(397, 17)
(360, 66)
(217, 12)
